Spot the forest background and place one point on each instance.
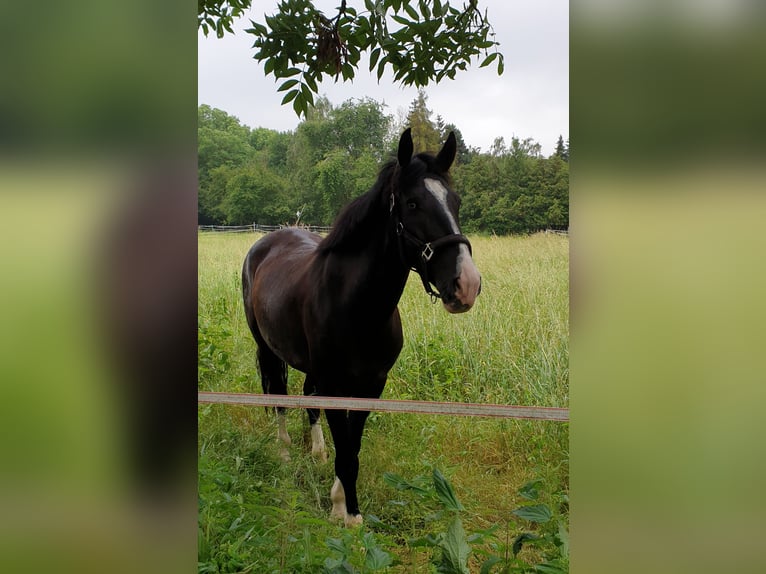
(259, 175)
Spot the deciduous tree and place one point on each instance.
(419, 42)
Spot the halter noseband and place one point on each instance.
(427, 249)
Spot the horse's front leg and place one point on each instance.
(318, 448)
(346, 429)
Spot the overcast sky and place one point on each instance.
(530, 100)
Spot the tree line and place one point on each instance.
(307, 175)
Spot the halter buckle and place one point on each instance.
(427, 253)
(391, 202)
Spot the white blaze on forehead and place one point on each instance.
(440, 192)
(469, 280)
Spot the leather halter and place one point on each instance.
(427, 249)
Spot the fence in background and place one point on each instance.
(257, 228)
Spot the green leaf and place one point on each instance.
(381, 67)
(377, 559)
(312, 83)
(336, 544)
(307, 96)
(445, 492)
(290, 72)
(424, 9)
(455, 550)
(374, 55)
(299, 104)
(347, 71)
(402, 20)
(486, 567)
(431, 540)
(289, 96)
(500, 65)
(529, 490)
(411, 11)
(400, 483)
(437, 9)
(550, 568)
(287, 85)
(373, 520)
(539, 513)
(268, 66)
(488, 60)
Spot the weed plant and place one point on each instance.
(259, 514)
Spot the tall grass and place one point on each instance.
(259, 514)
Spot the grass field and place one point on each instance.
(258, 514)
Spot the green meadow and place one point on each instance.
(438, 493)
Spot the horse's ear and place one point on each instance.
(447, 153)
(404, 155)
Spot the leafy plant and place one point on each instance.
(348, 549)
(551, 539)
(452, 546)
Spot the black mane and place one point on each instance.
(363, 215)
(368, 213)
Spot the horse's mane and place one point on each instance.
(363, 215)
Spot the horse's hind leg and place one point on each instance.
(274, 382)
(318, 448)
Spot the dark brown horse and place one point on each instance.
(328, 307)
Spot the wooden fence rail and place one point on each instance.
(388, 405)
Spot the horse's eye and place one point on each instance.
(412, 205)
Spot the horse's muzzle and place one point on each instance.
(466, 287)
(465, 290)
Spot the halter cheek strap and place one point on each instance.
(427, 250)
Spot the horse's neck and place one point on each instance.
(378, 275)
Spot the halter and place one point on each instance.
(427, 249)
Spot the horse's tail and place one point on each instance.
(273, 371)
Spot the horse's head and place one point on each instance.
(425, 210)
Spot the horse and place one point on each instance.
(329, 306)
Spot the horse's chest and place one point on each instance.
(359, 351)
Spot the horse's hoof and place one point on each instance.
(320, 455)
(353, 520)
(284, 454)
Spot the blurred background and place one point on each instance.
(667, 282)
(98, 287)
(98, 308)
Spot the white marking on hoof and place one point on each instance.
(283, 437)
(353, 520)
(338, 497)
(317, 442)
